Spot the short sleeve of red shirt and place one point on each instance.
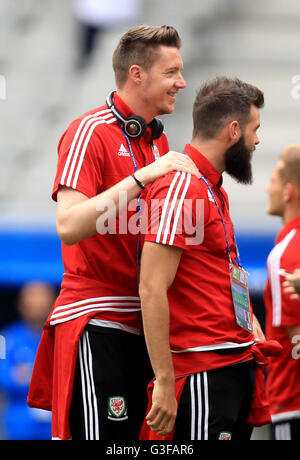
(176, 205)
(79, 159)
(290, 260)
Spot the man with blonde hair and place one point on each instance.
(92, 371)
(282, 312)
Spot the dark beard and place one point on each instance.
(238, 162)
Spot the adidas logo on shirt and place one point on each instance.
(123, 152)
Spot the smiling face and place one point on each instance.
(162, 82)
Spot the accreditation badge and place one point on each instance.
(241, 298)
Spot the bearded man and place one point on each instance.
(199, 326)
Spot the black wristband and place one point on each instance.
(140, 184)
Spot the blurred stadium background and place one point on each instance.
(43, 89)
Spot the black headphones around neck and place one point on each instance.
(135, 126)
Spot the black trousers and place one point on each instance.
(109, 396)
(216, 405)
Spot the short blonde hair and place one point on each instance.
(139, 46)
(290, 160)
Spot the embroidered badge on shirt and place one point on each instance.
(117, 409)
(225, 436)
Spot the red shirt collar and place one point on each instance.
(127, 112)
(294, 223)
(204, 165)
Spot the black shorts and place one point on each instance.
(110, 387)
(215, 405)
(286, 430)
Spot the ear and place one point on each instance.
(136, 74)
(288, 192)
(234, 131)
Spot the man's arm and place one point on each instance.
(158, 269)
(77, 215)
(257, 330)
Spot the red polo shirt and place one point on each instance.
(283, 371)
(101, 271)
(202, 318)
(100, 280)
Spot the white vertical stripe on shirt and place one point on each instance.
(167, 228)
(83, 151)
(165, 207)
(177, 215)
(91, 122)
(273, 264)
(77, 134)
